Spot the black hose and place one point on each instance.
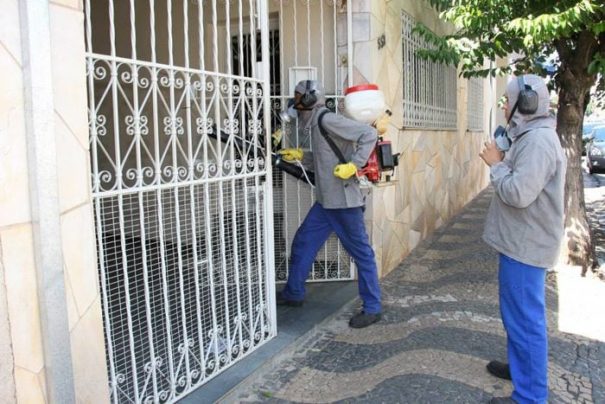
(291, 169)
(295, 171)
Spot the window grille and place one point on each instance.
(429, 88)
(474, 108)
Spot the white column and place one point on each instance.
(42, 165)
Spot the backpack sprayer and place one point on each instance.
(365, 103)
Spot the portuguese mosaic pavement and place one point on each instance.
(440, 327)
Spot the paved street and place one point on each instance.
(441, 325)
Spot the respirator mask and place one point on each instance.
(527, 104)
(503, 142)
(290, 113)
(306, 102)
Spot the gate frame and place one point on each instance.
(264, 182)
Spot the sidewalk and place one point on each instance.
(441, 325)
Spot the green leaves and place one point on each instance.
(536, 27)
(597, 65)
(492, 30)
(438, 49)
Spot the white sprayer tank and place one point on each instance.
(364, 103)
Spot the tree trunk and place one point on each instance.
(577, 247)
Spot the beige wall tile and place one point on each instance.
(21, 286)
(395, 245)
(414, 238)
(393, 34)
(14, 192)
(379, 10)
(10, 30)
(73, 315)
(388, 197)
(7, 379)
(88, 354)
(75, 4)
(28, 387)
(73, 169)
(69, 69)
(394, 74)
(77, 232)
(42, 382)
(405, 215)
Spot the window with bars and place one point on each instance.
(474, 107)
(429, 88)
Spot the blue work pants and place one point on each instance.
(311, 236)
(523, 311)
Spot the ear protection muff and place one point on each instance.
(527, 102)
(309, 98)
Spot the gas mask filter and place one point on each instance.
(503, 142)
(290, 113)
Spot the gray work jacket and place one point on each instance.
(525, 218)
(354, 139)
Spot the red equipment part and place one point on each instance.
(381, 159)
(371, 170)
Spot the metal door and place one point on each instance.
(181, 188)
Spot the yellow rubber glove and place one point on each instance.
(291, 154)
(276, 137)
(345, 171)
(382, 124)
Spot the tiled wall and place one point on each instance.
(439, 171)
(24, 356)
(22, 317)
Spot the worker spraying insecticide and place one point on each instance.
(363, 103)
(341, 148)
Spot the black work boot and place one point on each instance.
(362, 320)
(282, 301)
(499, 369)
(502, 400)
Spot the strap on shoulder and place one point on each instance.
(326, 136)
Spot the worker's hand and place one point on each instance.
(490, 153)
(382, 124)
(276, 137)
(345, 171)
(290, 155)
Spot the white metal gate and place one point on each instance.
(181, 188)
(309, 39)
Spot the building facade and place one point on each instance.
(142, 226)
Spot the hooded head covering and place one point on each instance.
(305, 115)
(542, 118)
(315, 87)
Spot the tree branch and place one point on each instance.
(564, 50)
(587, 46)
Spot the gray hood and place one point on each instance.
(305, 116)
(314, 85)
(542, 118)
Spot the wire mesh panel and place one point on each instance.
(181, 192)
(311, 35)
(475, 104)
(429, 88)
